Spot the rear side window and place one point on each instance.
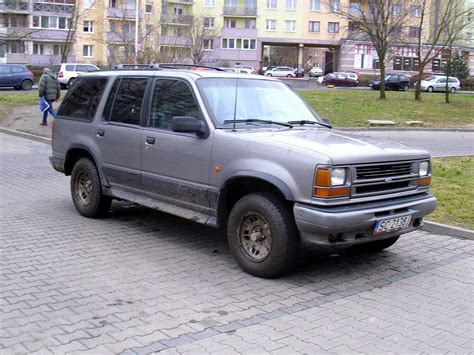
(125, 101)
(70, 67)
(83, 98)
(18, 69)
(171, 98)
(85, 68)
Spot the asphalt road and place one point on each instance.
(139, 281)
(437, 143)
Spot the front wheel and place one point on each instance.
(289, 76)
(430, 89)
(86, 190)
(268, 74)
(262, 235)
(406, 88)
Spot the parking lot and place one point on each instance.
(140, 281)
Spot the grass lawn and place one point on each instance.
(8, 101)
(453, 186)
(352, 108)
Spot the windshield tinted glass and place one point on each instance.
(256, 99)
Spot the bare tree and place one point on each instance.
(448, 17)
(199, 39)
(378, 21)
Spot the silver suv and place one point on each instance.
(237, 151)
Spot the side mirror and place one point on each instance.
(188, 124)
(326, 121)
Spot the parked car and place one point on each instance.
(392, 82)
(246, 69)
(438, 83)
(281, 71)
(340, 79)
(264, 69)
(316, 71)
(16, 76)
(68, 72)
(241, 153)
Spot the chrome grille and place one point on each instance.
(385, 178)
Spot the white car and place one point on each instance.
(68, 72)
(316, 71)
(281, 71)
(438, 83)
(245, 69)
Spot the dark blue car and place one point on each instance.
(17, 76)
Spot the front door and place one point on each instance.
(118, 134)
(175, 166)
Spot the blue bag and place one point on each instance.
(43, 104)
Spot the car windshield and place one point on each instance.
(255, 100)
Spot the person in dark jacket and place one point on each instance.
(50, 90)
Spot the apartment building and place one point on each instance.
(225, 32)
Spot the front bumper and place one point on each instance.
(355, 224)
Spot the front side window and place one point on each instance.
(82, 98)
(171, 98)
(124, 104)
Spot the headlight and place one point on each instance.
(424, 168)
(338, 177)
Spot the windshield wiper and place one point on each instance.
(256, 120)
(303, 122)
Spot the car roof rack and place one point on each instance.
(159, 66)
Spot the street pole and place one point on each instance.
(136, 31)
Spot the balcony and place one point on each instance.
(240, 11)
(172, 41)
(17, 7)
(239, 32)
(53, 7)
(123, 14)
(181, 2)
(176, 19)
(117, 37)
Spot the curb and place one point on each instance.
(31, 136)
(443, 229)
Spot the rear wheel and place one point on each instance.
(86, 190)
(452, 90)
(262, 235)
(27, 85)
(406, 88)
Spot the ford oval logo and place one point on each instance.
(388, 180)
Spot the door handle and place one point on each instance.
(150, 140)
(100, 133)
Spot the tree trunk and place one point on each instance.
(382, 81)
(448, 73)
(421, 69)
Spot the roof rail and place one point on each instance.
(159, 66)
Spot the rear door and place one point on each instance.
(440, 84)
(118, 134)
(175, 166)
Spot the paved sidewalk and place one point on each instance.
(140, 281)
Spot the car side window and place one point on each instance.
(171, 98)
(453, 80)
(4, 69)
(70, 67)
(125, 100)
(442, 81)
(17, 70)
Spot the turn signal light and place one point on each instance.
(323, 187)
(424, 181)
(323, 178)
(334, 192)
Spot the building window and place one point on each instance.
(415, 11)
(333, 27)
(56, 49)
(149, 8)
(270, 25)
(315, 5)
(406, 59)
(112, 4)
(334, 5)
(396, 9)
(209, 3)
(413, 32)
(314, 26)
(290, 4)
(239, 43)
(53, 22)
(38, 48)
(89, 26)
(87, 51)
(365, 57)
(88, 4)
(290, 26)
(271, 4)
(208, 45)
(148, 29)
(355, 8)
(230, 23)
(112, 26)
(208, 22)
(250, 24)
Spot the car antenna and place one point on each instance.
(235, 101)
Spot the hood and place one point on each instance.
(51, 74)
(342, 147)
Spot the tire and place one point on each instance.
(452, 90)
(86, 190)
(26, 85)
(430, 89)
(272, 221)
(406, 88)
(289, 76)
(375, 246)
(268, 74)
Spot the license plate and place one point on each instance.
(392, 224)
